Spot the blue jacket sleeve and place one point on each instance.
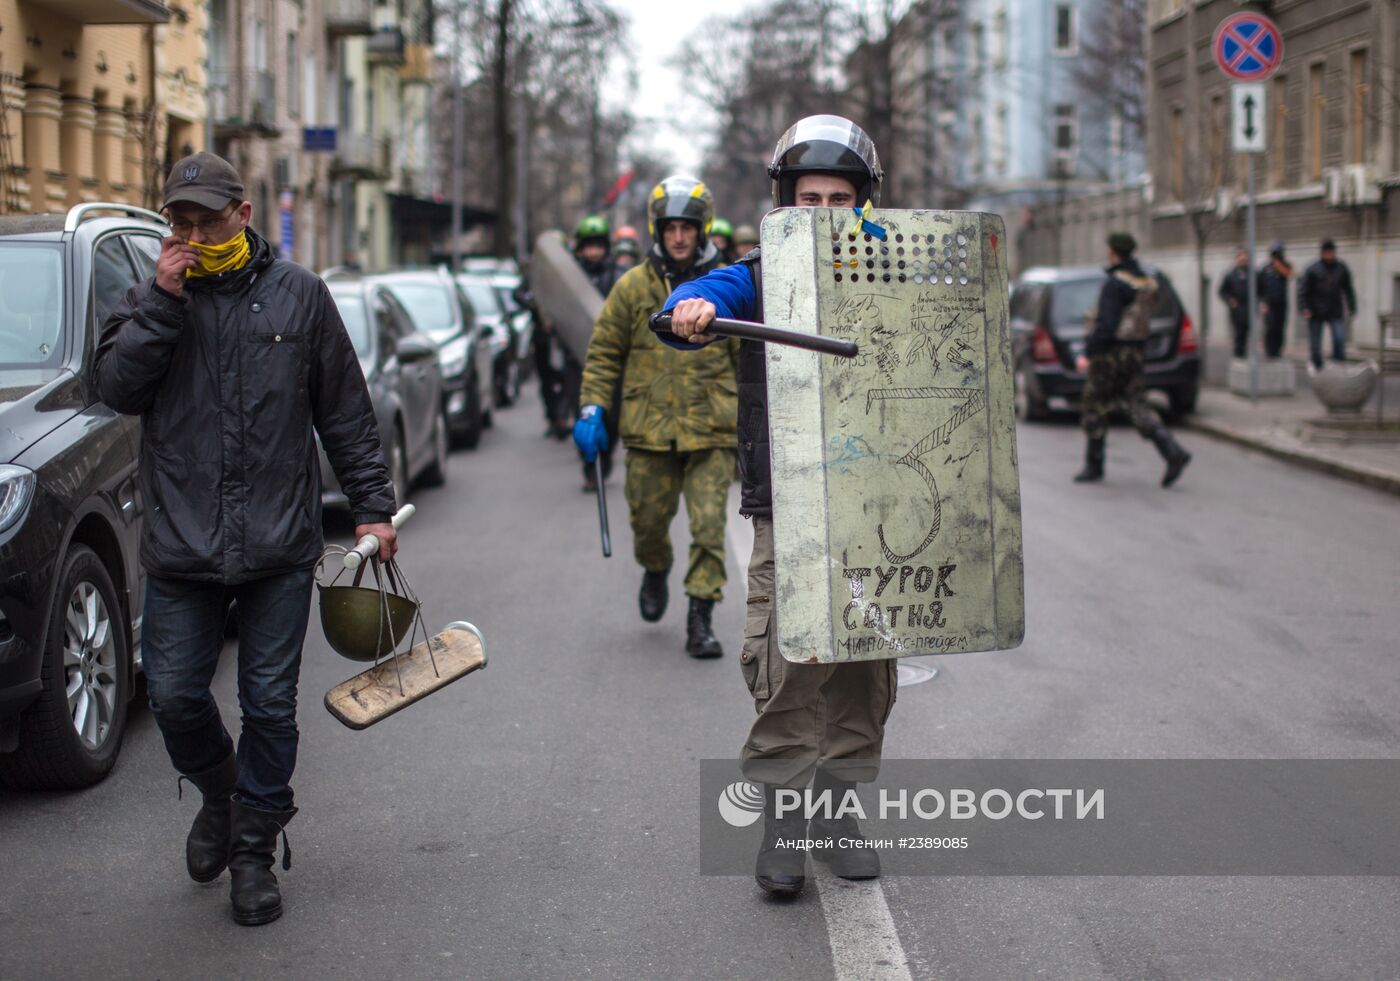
(730, 289)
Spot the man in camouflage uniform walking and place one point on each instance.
(679, 411)
(1114, 366)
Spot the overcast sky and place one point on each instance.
(668, 123)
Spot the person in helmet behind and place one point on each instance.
(745, 240)
(678, 415)
(593, 250)
(818, 722)
(627, 250)
(722, 234)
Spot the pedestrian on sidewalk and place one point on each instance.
(1113, 361)
(678, 412)
(1273, 298)
(823, 723)
(235, 361)
(1326, 298)
(1234, 290)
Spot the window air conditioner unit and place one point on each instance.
(1361, 184)
(285, 173)
(1334, 187)
(1224, 203)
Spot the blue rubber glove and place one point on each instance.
(590, 433)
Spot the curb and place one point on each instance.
(1376, 479)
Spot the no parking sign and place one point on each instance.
(1248, 47)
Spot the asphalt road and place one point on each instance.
(539, 819)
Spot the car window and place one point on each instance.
(146, 249)
(403, 322)
(430, 305)
(468, 313)
(1166, 299)
(112, 276)
(1025, 302)
(482, 298)
(352, 311)
(1072, 299)
(31, 305)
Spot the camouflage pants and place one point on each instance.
(1115, 384)
(655, 482)
(832, 714)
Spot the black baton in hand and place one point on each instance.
(661, 324)
(602, 506)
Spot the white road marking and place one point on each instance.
(865, 945)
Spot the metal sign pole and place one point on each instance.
(1253, 289)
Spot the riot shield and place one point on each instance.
(896, 497)
(566, 299)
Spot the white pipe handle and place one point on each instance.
(368, 547)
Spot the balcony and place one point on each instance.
(347, 18)
(243, 103)
(360, 156)
(385, 47)
(108, 11)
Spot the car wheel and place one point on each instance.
(70, 736)
(398, 470)
(436, 474)
(467, 432)
(1183, 400)
(1028, 407)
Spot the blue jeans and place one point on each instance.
(1339, 342)
(182, 636)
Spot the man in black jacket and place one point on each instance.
(1234, 290)
(234, 360)
(1114, 367)
(1322, 291)
(1273, 298)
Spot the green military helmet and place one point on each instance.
(721, 226)
(591, 227)
(745, 235)
(683, 199)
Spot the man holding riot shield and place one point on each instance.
(819, 722)
(677, 412)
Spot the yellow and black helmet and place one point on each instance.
(680, 199)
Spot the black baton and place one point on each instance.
(602, 506)
(661, 323)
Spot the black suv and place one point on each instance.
(71, 588)
(1048, 332)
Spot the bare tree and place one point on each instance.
(1111, 68)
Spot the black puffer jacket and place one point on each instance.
(229, 382)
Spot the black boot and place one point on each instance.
(849, 861)
(1171, 451)
(254, 892)
(206, 848)
(654, 595)
(1093, 462)
(700, 639)
(781, 871)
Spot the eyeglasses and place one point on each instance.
(207, 226)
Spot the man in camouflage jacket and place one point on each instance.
(679, 412)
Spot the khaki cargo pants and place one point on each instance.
(655, 482)
(832, 714)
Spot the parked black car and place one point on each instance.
(71, 589)
(438, 307)
(1048, 332)
(492, 314)
(405, 384)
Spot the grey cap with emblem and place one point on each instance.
(205, 179)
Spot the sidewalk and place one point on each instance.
(1276, 426)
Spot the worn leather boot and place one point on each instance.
(1093, 462)
(254, 893)
(1172, 452)
(781, 871)
(846, 861)
(700, 639)
(206, 847)
(653, 596)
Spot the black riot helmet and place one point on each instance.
(825, 145)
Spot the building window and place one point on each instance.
(976, 147)
(1316, 109)
(999, 139)
(999, 42)
(1278, 139)
(1178, 142)
(293, 77)
(1065, 40)
(1359, 90)
(974, 56)
(1066, 139)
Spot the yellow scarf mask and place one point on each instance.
(217, 259)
